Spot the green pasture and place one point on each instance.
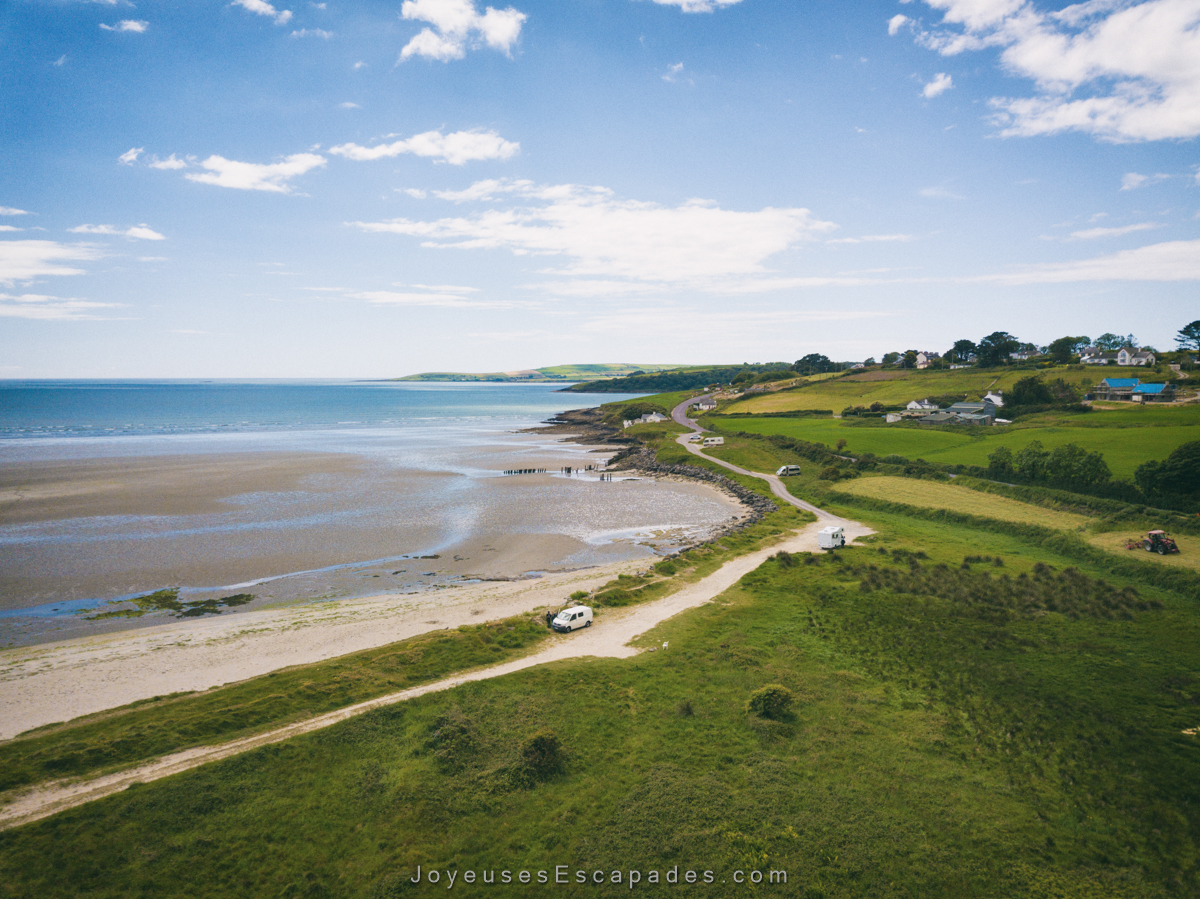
(1126, 438)
(901, 386)
(973, 716)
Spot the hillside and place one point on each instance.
(600, 371)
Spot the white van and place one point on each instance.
(572, 619)
(714, 441)
(787, 470)
(831, 537)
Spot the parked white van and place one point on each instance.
(831, 537)
(787, 470)
(714, 441)
(572, 619)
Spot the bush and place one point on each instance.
(542, 754)
(579, 594)
(666, 567)
(771, 701)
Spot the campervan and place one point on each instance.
(787, 470)
(714, 441)
(831, 537)
(572, 619)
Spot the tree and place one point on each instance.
(890, 358)
(1063, 349)
(1030, 462)
(1178, 474)
(961, 352)
(814, 363)
(1000, 462)
(1189, 336)
(1031, 391)
(996, 349)
(870, 360)
(1074, 467)
(909, 360)
(1113, 342)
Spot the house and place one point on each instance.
(1116, 389)
(1153, 393)
(1128, 355)
(705, 405)
(942, 417)
(922, 406)
(858, 365)
(1093, 355)
(647, 418)
(1023, 355)
(925, 358)
(984, 408)
(996, 398)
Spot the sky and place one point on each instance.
(375, 188)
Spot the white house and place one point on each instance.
(996, 398)
(1128, 355)
(922, 406)
(926, 357)
(648, 418)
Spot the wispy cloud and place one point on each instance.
(170, 163)
(48, 308)
(696, 243)
(874, 238)
(698, 5)
(941, 193)
(313, 32)
(9, 210)
(349, 105)
(1116, 69)
(272, 177)
(24, 260)
(130, 156)
(896, 22)
(1132, 180)
(457, 27)
(139, 232)
(1093, 233)
(939, 85)
(131, 25)
(262, 8)
(457, 148)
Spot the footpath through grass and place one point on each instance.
(962, 727)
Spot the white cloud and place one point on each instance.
(47, 308)
(1093, 233)
(696, 243)
(896, 22)
(1132, 180)
(939, 85)
(171, 162)
(60, 61)
(262, 8)
(129, 157)
(444, 300)
(875, 238)
(140, 232)
(697, 5)
(254, 176)
(8, 210)
(127, 25)
(673, 72)
(24, 260)
(349, 105)
(10, 228)
(457, 148)
(457, 27)
(941, 193)
(313, 32)
(1117, 69)
(1177, 260)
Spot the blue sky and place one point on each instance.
(370, 189)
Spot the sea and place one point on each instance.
(430, 476)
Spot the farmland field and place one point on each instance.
(1126, 437)
(1187, 557)
(938, 495)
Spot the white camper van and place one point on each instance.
(831, 537)
(572, 619)
(714, 441)
(787, 470)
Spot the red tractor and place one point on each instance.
(1159, 542)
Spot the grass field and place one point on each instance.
(941, 744)
(1126, 437)
(1187, 557)
(940, 495)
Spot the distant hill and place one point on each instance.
(688, 378)
(601, 371)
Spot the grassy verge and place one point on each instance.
(951, 735)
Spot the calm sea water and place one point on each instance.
(433, 481)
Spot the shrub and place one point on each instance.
(784, 558)
(666, 567)
(771, 701)
(579, 594)
(542, 754)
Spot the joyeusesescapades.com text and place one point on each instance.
(565, 874)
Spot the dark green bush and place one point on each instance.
(771, 701)
(542, 754)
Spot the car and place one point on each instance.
(786, 470)
(572, 619)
